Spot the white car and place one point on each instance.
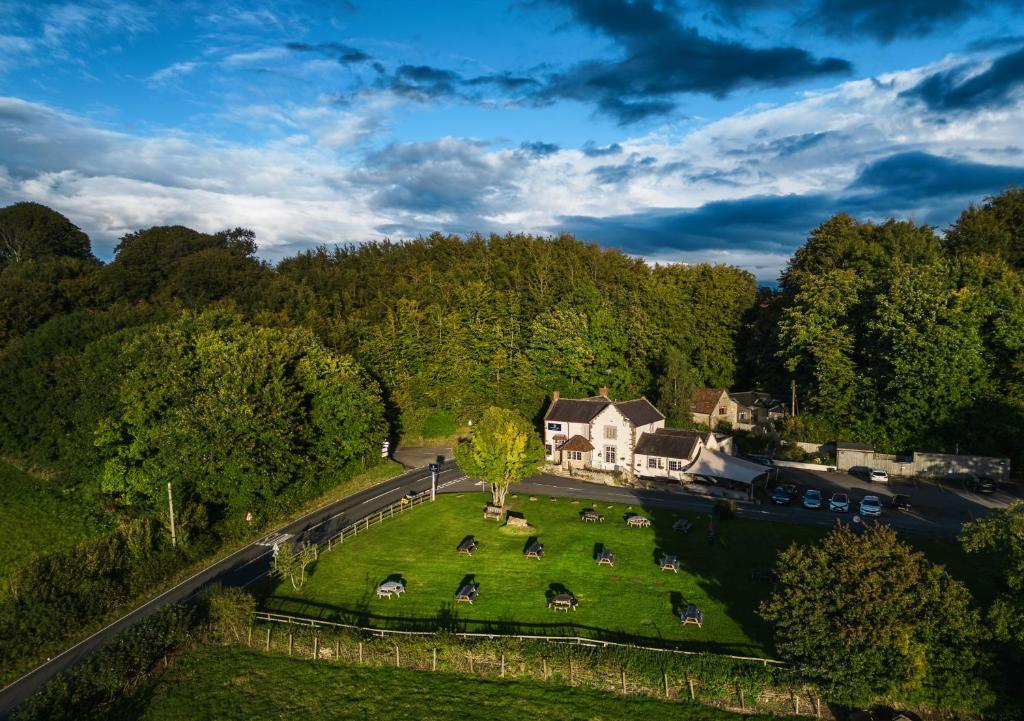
(877, 475)
(870, 506)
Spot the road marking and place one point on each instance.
(272, 539)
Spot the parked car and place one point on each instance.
(900, 502)
(877, 475)
(981, 484)
(812, 498)
(839, 503)
(870, 506)
(783, 494)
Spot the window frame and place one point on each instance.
(553, 426)
(614, 454)
(611, 433)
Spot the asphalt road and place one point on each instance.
(249, 564)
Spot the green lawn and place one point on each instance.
(633, 599)
(226, 684)
(38, 517)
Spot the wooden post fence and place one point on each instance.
(268, 637)
(623, 672)
(316, 648)
(433, 662)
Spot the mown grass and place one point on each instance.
(37, 517)
(231, 683)
(633, 599)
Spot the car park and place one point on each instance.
(812, 498)
(870, 506)
(981, 484)
(901, 502)
(783, 494)
(839, 503)
(877, 475)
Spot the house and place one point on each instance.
(682, 455)
(711, 406)
(745, 410)
(596, 432)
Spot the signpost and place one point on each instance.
(434, 468)
(385, 448)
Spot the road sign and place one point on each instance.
(434, 468)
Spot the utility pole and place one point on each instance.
(170, 508)
(792, 387)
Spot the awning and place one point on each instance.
(721, 465)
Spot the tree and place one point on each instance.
(503, 449)
(870, 619)
(291, 564)
(1002, 532)
(30, 231)
(229, 612)
(675, 390)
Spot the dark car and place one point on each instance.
(812, 499)
(783, 494)
(900, 502)
(981, 484)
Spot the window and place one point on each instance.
(721, 411)
(610, 433)
(554, 426)
(547, 449)
(655, 463)
(609, 454)
(575, 455)
(675, 465)
(743, 415)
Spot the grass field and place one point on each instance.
(229, 684)
(632, 599)
(36, 517)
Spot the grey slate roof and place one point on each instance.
(666, 445)
(640, 412)
(575, 411)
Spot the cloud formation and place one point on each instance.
(965, 87)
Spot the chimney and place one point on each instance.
(603, 391)
(555, 395)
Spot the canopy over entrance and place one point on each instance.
(721, 465)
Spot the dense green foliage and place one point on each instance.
(233, 683)
(871, 620)
(1002, 534)
(503, 449)
(900, 339)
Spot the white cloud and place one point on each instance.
(173, 71)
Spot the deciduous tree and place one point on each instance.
(503, 449)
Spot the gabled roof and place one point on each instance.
(705, 399)
(667, 445)
(705, 436)
(752, 399)
(639, 412)
(575, 411)
(576, 443)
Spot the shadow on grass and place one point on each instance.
(447, 618)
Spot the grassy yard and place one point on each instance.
(38, 517)
(231, 683)
(632, 599)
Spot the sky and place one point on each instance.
(721, 131)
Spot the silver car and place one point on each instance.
(839, 503)
(870, 506)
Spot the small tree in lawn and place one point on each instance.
(292, 564)
(504, 449)
(871, 620)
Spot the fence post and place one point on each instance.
(544, 667)
(664, 680)
(316, 648)
(433, 662)
(623, 672)
(743, 706)
(572, 673)
(360, 652)
(796, 703)
(817, 706)
(503, 665)
(693, 696)
(291, 639)
(269, 626)
(249, 642)
(337, 648)
(398, 663)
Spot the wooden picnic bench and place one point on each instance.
(692, 614)
(467, 594)
(606, 558)
(669, 563)
(562, 602)
(682, 525)
(638, 522)
(492, 513)
(534, 550)
(468, 546)
(390, 588)
(591, 516)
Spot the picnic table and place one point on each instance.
(467, 594)
(390, 588)
(534, 550)
(591, 516)
(562, 602)
(669, 563)
(638, 522)
(692, 614)
(492, 513)
(467, 546)
(682, 525)
(764, 573)
(606, 558)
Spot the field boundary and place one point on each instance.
(290, 620)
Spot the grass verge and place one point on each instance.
(227, 683)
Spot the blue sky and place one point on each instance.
(721, 131)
